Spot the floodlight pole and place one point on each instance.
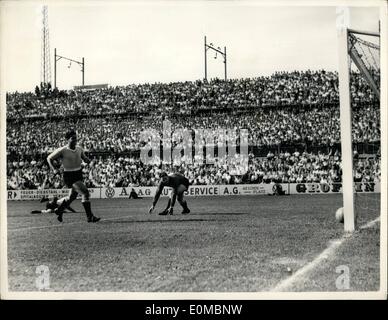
(55, 68)
(225, 63)
(58, 57)
(83, 71)
(210, 46)
(205, 59)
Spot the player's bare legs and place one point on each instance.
(176, 194)
(179, 185)
(66, 203)
(80, 187)
(180, 192)
(164, 212)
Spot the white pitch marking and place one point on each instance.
(370, 223)
(63, 224)
(334, 245)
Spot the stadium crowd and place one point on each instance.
(285, 109)
(282, 88)
(285, 167)
(319, 126)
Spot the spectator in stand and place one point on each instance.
(282, 88)
(287, 109)
(129, 172)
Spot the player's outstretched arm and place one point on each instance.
(156, 197)
(54, 155)
(173, 199)
(50, 163)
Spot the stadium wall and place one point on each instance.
(208, 190)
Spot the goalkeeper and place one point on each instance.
(51, 205)
(179, 185)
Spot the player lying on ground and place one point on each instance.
(72, 156)
(51, 205)
(179, 185)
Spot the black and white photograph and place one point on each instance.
(193, 150)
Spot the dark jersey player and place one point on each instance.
(179, 185)
(51, 205)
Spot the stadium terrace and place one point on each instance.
(292, 120)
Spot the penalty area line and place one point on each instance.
(334, 245)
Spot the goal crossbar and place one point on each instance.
(365, 33)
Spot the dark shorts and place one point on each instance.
(185, 183)
(71, 177)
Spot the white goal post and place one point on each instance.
(346, 54)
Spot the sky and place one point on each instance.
(145, 42)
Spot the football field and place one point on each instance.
(226, 244)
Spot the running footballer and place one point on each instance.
(72, 156)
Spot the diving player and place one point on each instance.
(51, 205)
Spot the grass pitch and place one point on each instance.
(226, 244)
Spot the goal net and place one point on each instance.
(359, 89)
